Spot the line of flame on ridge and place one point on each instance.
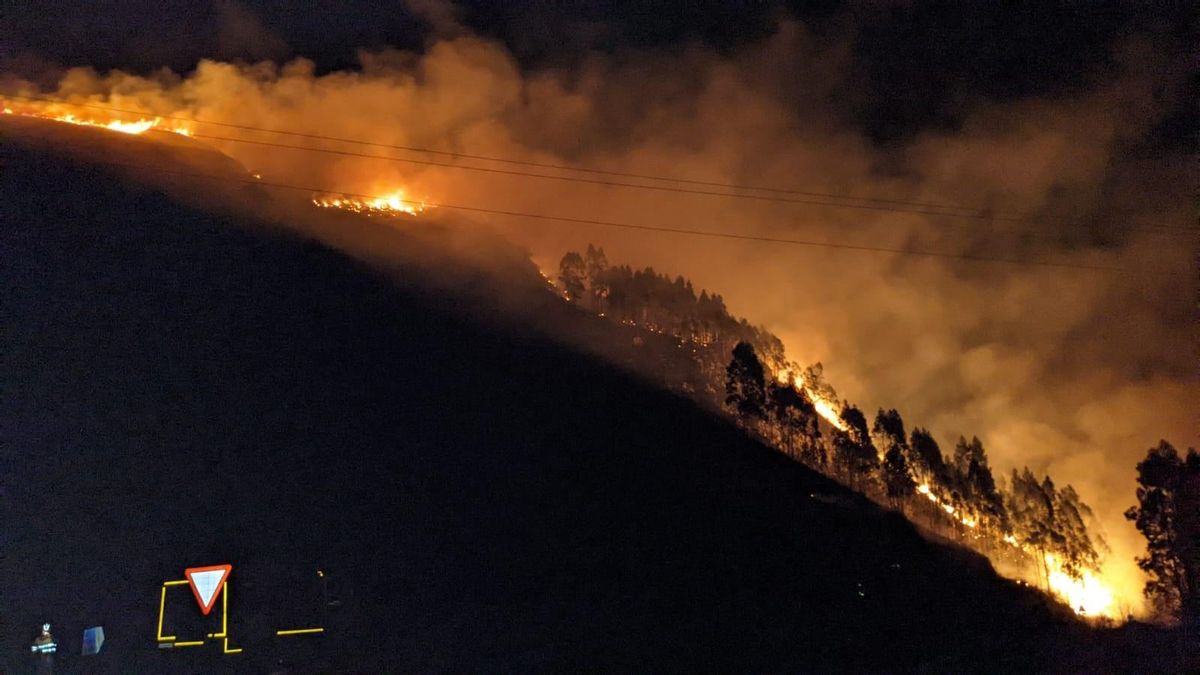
(139, 126)
(389, 204)
(393, 203)
(1086, 595)
(829, 410)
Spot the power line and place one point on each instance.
(657, 188)
(517, 162)
(576, 179)
(628, 226)
(972, 214)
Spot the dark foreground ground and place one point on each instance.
(179, 390)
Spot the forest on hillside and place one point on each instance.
(1032, 524)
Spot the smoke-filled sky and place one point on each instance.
(1072, 130)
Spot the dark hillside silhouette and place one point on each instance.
(180, 390)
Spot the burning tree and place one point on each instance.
(1032, 511)
(925, 459)
(767, 393)
(660, 304)
(1049, 523)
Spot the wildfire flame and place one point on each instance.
(139, 126)
(390, 204)
(949, 509)
(828, 410)
(1085, 594)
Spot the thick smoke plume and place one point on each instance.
(1072, 372)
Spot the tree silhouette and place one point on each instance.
(572, 274)
(896, 479)
(853, 448)
(745, 385)
(1168, 497)
(925, 460)
(812, 447)
(1078, 550)
(1187, 528)
(1043, 518)
(793, 414)
(596, 271)
(888, 435)
(1032, 514)
(976, 484)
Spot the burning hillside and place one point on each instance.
(70, 115)
(391, 204)
(916, 272)
(1050, 548)
(710, 332)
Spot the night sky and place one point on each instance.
(917, 65)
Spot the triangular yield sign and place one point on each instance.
(206, 584)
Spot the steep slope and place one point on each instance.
(180, 389)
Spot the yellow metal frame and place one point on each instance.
(223, 635)
(300, 631)
(162, 606)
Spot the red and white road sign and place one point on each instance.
(206, 583)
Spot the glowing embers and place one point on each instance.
(135, 127)
(392, 204)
